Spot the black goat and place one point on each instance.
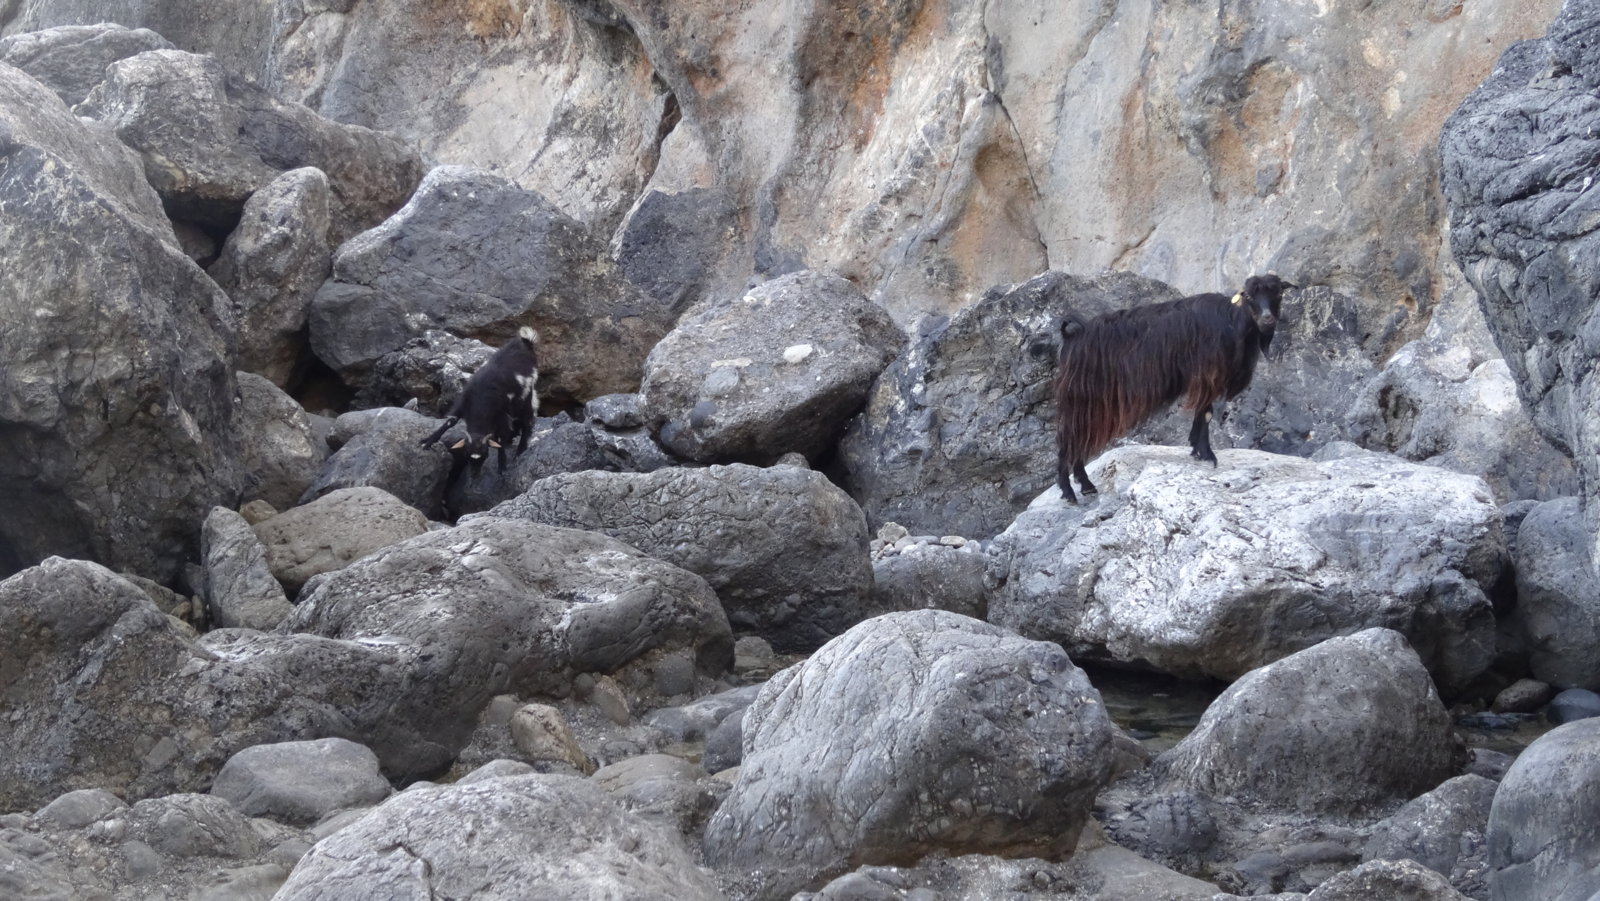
(1121, 368)
(497, 405)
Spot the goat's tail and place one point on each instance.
(1072, 325)
(528, 335)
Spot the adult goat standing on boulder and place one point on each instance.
(1120, 369)
(497, 405)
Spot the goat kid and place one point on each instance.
(497, 405)
(1120, 369)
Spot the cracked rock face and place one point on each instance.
(1518, 176)
(912, 733)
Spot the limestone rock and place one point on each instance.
(383, 449)
(779, 369)
(72, 59)
(279, 454)
(330, 532)
(1443, 830)
(210, 139)
(1558, 595)
(1349, 725)
(301, 782)
(999, 745)
(527, 831)
(241, 591)
(473, 254)
(271, 265)
(116, 401)
(1202, 571)
(785, 550)
(1542, 825)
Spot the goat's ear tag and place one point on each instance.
(494, 444)
(459, 444)
(1238, 299)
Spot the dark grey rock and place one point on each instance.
(958, 434)
(72, 59)
(116, 401)
(211, 139)
(1543, 825)
(1443, 830)
(528, 831)
(241, 591)
(1572, 705)
(668, 791)
(618, 412)
(1558, 595)
(1379, 735)
(1168, 825)
(779, 369)
(556, 447)
(475, 255)
(301, 782)
(271, 266)
(431, 369)
(670, 244)
(388, 454)
(1391, 880)
(931, 576)
(279, 453)
(785, 550)
(997, 743)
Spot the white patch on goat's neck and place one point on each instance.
(1238, 298)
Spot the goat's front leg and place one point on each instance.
(1083, 481)
(1200, 436)
(448, 425)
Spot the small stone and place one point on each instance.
(609, 697)
(1523, 696)
(1573, 704)
(891, 532)
(797, 353)
(540, 733)
(953, 541)
(257, 511)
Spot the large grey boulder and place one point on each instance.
(1543, 841)
(776, 370)
(241, 591)
(383, 449)
(1391, 880)
(1516, 164)
(1202, 571)
(333, 530)
(958, 434)
(279, 454)
(785, 549)
(1345, 727)
(474, 254)
(530, 836)
(1444, 830)
(530, 607)
(301, 782)
(271, 265)
(912, 733)
(1558, 595)
(116, 400)
(210, 139)
(72, 59)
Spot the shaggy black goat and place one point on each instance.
(497, 405)
(1121, 368)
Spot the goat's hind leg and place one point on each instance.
(1200, 436)
(1086, 486)
(448, 425)
(1064, 470)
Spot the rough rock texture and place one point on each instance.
(556, 447)
(116, 396)
(210, 139)
(271, 265)
(779, 369)
(785, 550)
(279, 455)
(1391, 880)
(1517, 159)
(912, 733)
(505, 605)
(1442, 830)
(382, 449)
(496, 839)
(331, 531)
(1195, 570)
(72, 59)
(1558, 595)
(1442, 402)
(432, 368)
(932, 576)
(958, 433)
(1349, 725)
(301, 782)
(473, 254)
(1543, 825)
(240, 589)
